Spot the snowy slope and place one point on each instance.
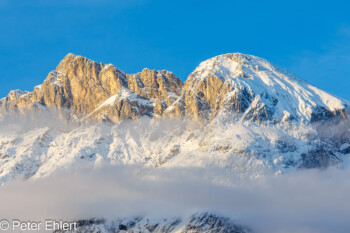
(241, 147)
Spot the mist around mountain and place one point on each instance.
(241, 146)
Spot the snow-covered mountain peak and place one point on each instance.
(237, 65)
(266, 85)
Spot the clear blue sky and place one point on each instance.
(309, 38)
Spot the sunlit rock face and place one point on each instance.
(93, 91)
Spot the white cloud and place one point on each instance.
(305, 201)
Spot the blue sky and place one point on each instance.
(309, 38)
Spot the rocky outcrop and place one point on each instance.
(241, 86)
(121, 106)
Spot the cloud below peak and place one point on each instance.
(306, 201)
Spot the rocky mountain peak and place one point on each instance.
(70, 61)
(81, 86)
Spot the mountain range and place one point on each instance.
(235, 112)
(232, 83)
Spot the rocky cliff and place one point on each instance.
(85, 90)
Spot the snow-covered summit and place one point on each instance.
(257, 84)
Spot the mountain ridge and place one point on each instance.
(243, 84)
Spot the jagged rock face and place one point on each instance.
(15, 101)
(87, 84)
(77, 84)
(247, 86)
(94, 91)
(161, 87)
(122, 106)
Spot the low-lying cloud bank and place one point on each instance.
(304, 201)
